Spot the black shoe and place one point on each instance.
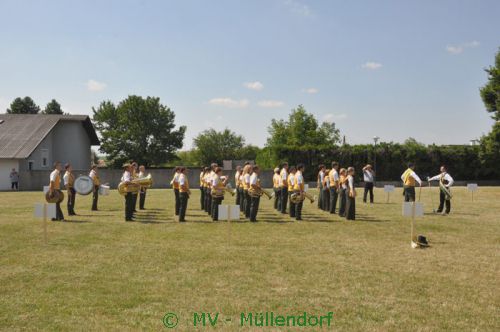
(183, 220)
(53, 219)
(142, 209)
(129, 220)
(298, 219)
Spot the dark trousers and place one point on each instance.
(320, 198)
(284, 199)
(350, 213)
(443, 201)
(216, 201)
(343, 199)
(298, 210)
(95, 198)
(333, 199)
(409, 193)
(206, 196)
(134, 201)
(183, 203)
(248, 203)
(177, 201)
(292, 206)
(326, 199)
(142, 199)
(368, 189)
(202, 198)
(71, 201)
(59, 213)
(238, 196)
(277, 199)
(208, 202)
(16, 185)
(254, 207)
(241, 200)
(128, 207)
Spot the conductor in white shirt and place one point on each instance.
(445, 182)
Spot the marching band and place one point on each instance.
(336, 186)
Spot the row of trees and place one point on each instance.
(26, 105)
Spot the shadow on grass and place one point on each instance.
(75, 221)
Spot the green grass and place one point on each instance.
(99, 273)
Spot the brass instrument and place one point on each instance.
(259, 192)
(56, 197)
(297, 197)
(135, 185)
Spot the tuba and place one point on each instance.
(56, 197)
(135, 185)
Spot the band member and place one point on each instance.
(409, 178)
(184, 193)
(127, 178)
(326, 191)
(218, 184)
(350, 213)
(175, 185)
(241, 190)
(321, 176)
(142, 191)
(69, 180)
(206, 189)
(277, 189)
(211, 175)
(97, 183)
(445, 183)
(254, 192)
(284, 187)
(55, 185)
(135, 175)
(246, 188)
(202, 188)
(237, 184)
(333, 178)
(342, 191)
(299, 187)
(291, 187)
(368, 178)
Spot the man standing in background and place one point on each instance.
(14, 179)
(97, 182)
(368, 178)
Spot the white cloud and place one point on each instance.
(271, 103)
(457, 49)
(310, 91)
(95, 86)
(330, 117)
(297, 7)
(257, 86)
(4, 104)
(228, 102)
(370, 65)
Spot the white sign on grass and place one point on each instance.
(233, 210)
(45, 189)
(306, 187)
(472, 187)
(388, 188)
(408, 209)
(51, 210)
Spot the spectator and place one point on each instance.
(14, 179)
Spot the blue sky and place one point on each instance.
(389, 68)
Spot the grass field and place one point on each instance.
(99, 273)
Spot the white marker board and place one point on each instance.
(472, 187)
(389, 188)
(51, 210)
(408, 209)
(234, 212)
(45, 189)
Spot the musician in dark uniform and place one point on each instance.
(142, 192)
(97, 183)
(184, 193)
(254, 193)
(55, 185)
(69, 180)
(445, 183)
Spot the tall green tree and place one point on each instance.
(490, 144)
(216, 146)
(140, 129)
(53, 107)
(24, 105)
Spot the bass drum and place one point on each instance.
(84, 185)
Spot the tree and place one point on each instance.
(53, 107)
(490, 144)
(140, 129)
(24, 105)
(214, 146)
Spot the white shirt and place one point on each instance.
(92, 174)
(367, 176)
(126, 176)
(141, 174)
(236, 177)
(284, 175)
(215, 180)
(413, 175)
(176, 177)
(292, 179)
(335, 175)
(54, 175)
(246, 178)
(321, 177)
(65, 178)
(299, 178)
(182, 179)
(447, 177)
(350, 181)
(253, 179)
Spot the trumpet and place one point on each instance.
(135, 185)
(259, 192)
(298, 197)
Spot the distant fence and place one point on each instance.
(35, 180)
